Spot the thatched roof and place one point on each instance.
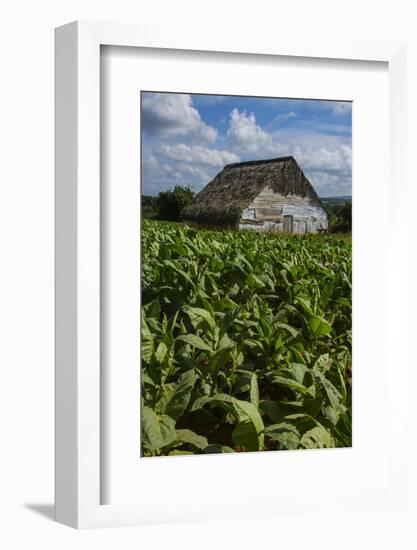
(222, 201)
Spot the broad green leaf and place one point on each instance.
(286, 434)
(288, 440)
(225, 343)
(218, 400)
(181, 250)
(298, 371)
(317, 438)
(331, 414)
(248, 432)
(254, 282)
(254, 390)
(216, 265)
(158, 430)
(274, 410)
(306, 305)
(198, 315)
(146, 379)
(147, 343)
(229, 318)
(300, 357)
(347, 280)
(161, 352)
(333, 395)
(293, 331)
(176, 395)
(253, 344)
(228, 303)
(190, 437)
(194, 341)
(217, 361)
(302, 419)
(278, 343)
(323, 363)
(281, 427)
(289, 383)
(181, 272)
(285, 279)
(319, 326)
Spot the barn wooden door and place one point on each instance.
(287, 224)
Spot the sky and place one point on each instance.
(188, 138)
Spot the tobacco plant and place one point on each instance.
(246, 341)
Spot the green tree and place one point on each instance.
(149, 209)
(170, 203)
(341, 218)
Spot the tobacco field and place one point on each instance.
(246, 341)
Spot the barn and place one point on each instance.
(262, 195)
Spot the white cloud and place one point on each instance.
(170, 115)
(341, 107)
(327, 159)
(245, 136)
(151, 163)
(322, 158)
(329, 185)
(181, 164)
(286, 116)
(197, 154)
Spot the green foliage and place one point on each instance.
(246, 341)
(340, 217)
(168, 204)
(149, 208)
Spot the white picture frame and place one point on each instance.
(78, 426)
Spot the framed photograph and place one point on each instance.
(219, 273)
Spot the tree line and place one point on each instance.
(167, 205)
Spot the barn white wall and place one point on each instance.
(268, 210)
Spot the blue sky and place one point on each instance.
(188, 138)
